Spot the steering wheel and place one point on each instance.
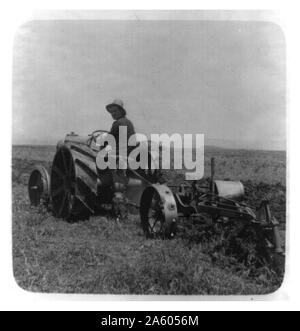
(95, 134)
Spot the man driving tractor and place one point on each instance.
(118, 113)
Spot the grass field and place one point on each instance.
(104, 255)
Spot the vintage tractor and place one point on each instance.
(76, 189)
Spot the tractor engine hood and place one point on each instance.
(77, 139)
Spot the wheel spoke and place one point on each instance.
(155, 216)
(58, 190)
(151, 213)
(58, 172)
(63, 202)
(153, 226)
(64, 161)
(151, 222)
(155, 220)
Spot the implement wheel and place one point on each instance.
(158, 212)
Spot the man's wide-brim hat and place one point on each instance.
(117, 102)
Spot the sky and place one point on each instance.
(225, 79)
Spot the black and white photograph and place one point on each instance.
(149, 154)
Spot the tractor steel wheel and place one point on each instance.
(153, 217)
(39, 186)
(63, 184)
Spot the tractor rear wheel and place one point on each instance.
(63, 184)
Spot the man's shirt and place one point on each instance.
(123, 121)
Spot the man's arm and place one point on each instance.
(114, 129)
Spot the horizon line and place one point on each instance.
(209, 145)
